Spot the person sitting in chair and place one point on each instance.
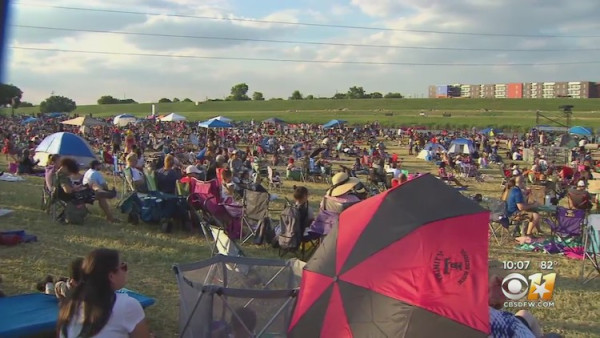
(166, 177)
(27, 165)
(344, 189)
(135, 178)
(579, 197)
(93, 179)
(517, 205)
(444, 175)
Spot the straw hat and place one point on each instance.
(342, 183)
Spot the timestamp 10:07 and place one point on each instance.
(524, 265)
(515, 265)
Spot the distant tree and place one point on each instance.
(186, 100)
(310, 97)
(57, 104)
(10, 95)
(393, 96)
(275, 99)
(175, 100)
(25, 104)
(296, 95)
(107, 99)
(356, 93)
(239, 92)
(164, 100)
(339, 96)
(376, 95)
(258, 96)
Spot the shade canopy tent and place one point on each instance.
(581, 131)
(221, 118)
(490, 131)
(173, 118)
(214, 124)
(124, 119)
(461, 146)
(55, 115)
(398, 267)
(274, 120)
(65, 144)
(334, 123)
(84, 121)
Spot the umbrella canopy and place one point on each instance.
(399, 266)
(490, 131)
(334, 123)
(579, 130)
(214, 124)
(173, 118)
(29, 120)
(222, 119)
(124, 119)
(65, 144)
(84, 121)
(274, 120)
(434, 147)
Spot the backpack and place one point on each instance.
(75, 213)
(289, 238)
(264, 232)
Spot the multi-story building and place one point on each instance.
(500, 91)
(487, 91)
(532, 90)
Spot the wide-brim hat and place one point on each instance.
(341, 184)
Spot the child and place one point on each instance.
(306, 213)
(64, 288)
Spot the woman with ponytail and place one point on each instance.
(94, 309)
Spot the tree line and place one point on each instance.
(11, 95)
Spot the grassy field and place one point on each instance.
(503, 113)
(150, 255)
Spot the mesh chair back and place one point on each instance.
(256, 205)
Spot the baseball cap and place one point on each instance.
(192, 169)
(581, 183)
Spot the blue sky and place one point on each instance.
(86, 77)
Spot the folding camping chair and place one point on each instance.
(255, 213)
(567, 223)
(499, 221)
(591, 249)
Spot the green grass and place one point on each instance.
(465, 112)
(150, 255)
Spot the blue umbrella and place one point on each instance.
(29, 120)
(333, 123)
(65, 144)
(579, 130)
(55, 115)
(214, 124)
(488, 131)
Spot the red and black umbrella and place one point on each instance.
(409, 262)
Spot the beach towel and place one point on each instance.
(11, 178)
(35, 313)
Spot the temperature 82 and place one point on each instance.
(547, 265)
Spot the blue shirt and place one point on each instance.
(514, 196)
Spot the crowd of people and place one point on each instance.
(180, 152)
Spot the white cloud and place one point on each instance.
(86, 77)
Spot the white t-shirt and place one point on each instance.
(126, 314)
(92, 176)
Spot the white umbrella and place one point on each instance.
(222, 119)
(173, 117)
(124, 119)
